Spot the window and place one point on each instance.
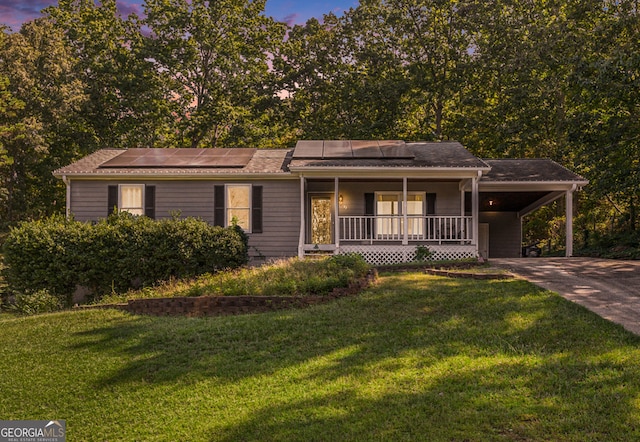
(239, 202)
(131, 198)
(137, 199)
(239, 205)
(389, 219)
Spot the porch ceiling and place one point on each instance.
(506, 201)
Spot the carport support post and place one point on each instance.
(569, 221)
(475, 209)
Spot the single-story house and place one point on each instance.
(381, 199)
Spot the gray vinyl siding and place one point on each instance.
(281, 208)
(505, 234)
(280, 218)
(448, 198)
(89, 200)
(187, 198)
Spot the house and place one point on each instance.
(377, 198)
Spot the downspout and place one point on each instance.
(67, 183)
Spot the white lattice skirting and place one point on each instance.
(383, 255)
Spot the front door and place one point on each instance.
(321, 226)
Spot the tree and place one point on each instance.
(215, 56)
(41, 99)
(606, 120)
(128, 104)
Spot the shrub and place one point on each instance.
(40, 301)
(423, 253)
(116, 254)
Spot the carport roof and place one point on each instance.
(531, 170)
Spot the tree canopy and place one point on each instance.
(550, 78)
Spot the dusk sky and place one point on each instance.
(14, 12)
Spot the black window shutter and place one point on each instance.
(431, 203)
(256, 209)
(150, 201)
(369, 210)
(369, 204)
(218, 206)
(112, 199)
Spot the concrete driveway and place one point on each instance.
(610, 288)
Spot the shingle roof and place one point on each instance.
(279, 161)
(264, 161)
(533, 170)
(427, 155)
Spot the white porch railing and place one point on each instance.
(420, 228)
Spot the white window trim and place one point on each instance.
(127, 209)
(227, 221)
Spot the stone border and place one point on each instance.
(445, 270)
(469, 275)
(198, 306)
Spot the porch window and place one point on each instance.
(389, 214)
(387, 211)
(415, 206)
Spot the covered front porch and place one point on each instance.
(385, 220)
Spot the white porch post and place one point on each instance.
(569, 221)
(475, 208)
(336, 210)
(302, 223)
(405, 216)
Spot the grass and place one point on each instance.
(287, 277)
(415, 357)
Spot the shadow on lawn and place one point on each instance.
(418, 357)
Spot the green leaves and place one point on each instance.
(215, 57)
(116, 254)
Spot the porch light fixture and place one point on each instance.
(491, 202)
(341, 201)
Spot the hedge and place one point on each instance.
(116, 254)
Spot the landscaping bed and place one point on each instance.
(232, 305)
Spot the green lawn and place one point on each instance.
(415, 357)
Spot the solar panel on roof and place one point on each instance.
(366, 149)
(337, 149)
(395, 149)
(308, 149)
(181, 158)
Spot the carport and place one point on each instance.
(513, 189)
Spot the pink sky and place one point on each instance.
(14, 12)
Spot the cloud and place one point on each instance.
(292, 19)
(16, 12)
(127, 9)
